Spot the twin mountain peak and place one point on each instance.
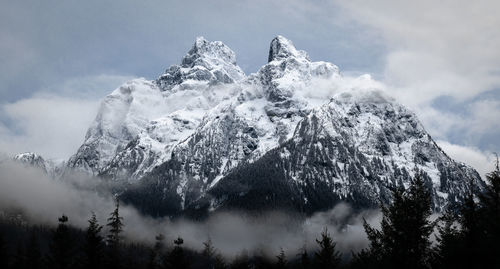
(295, 135)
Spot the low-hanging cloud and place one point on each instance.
(42, 200)
(53, 122)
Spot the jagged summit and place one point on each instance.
(51, 167)
(208, 63)
(287, 74)
(138, 124)
(31, 158)
(281, 48)
(215, 50)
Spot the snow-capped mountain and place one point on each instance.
(51, 167)
(352, 149)
(296, 134)
(138, 124)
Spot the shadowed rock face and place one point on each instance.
(282, 48)
(206, 137)
(352, 149)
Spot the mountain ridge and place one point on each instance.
(180, 142)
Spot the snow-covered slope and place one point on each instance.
(263, 115)
(138, 124)
(296, 134)
(354, 149)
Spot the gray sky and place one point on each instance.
(58, 58)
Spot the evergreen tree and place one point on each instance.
(176, 258)
(459, 235)
(450, 248)
(208, 249)
(114, 238)
(61, 249)
(157, 252)
(403, 241)
(159, 243)
(474, 243)
(469, 218)
(281, 262)
(305, 262)
(327, 256)
(219, 262)
(489, 220)
(209, 254)
(93, 245)
(115, 225)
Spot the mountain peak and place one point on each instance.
(31, 158)
(211, 62)
(281, 48)
(215, 50)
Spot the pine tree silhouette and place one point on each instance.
(489, 216)
(403, 241)
(281, 262)
(176, 258)
(450, 250)
(208, 249)
(114, 238)
(61, 249)
(327, 256)
(156, 255)
(474, 242)
(115, 224)
(219, 262)
(305, 262)
(94, 242)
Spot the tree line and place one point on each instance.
(408, 237)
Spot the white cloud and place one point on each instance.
(486, 114)
(475, 121)
(54, 124)
(483, 162)
(435, 47)
(441, 49)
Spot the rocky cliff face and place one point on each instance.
(295, 134)
(354, 148)
(139, 123)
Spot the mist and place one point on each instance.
(41, 200)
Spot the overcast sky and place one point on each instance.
(59, 58)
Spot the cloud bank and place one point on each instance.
(443, 61)
(53, 121)
(42, 200)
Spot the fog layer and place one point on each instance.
(42, 200)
